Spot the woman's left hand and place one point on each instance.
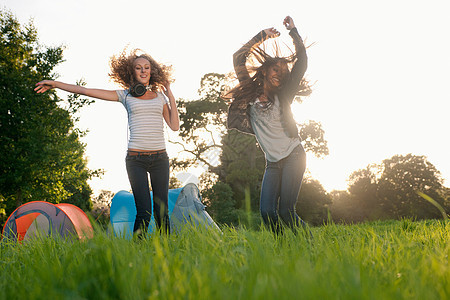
(288, 22)
(166, 88)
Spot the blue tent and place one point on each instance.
(184, 206)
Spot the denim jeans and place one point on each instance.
(280, 188)
(157, 165)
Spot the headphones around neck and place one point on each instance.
(139, 89)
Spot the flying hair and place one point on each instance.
(258, 62)
(122, 69)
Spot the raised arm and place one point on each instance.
(46, 85)
(170, 114)
(240, 56)
(301, 61)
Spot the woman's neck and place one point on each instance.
(266, 96)
(263, 98)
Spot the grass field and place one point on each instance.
(382, 260)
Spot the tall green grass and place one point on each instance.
(382, 260)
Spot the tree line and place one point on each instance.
(42, 157)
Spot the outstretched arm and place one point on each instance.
(240, 56)
(170, 114)
(46, 85)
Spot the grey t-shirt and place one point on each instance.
(266, 123)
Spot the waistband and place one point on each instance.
(145, 153)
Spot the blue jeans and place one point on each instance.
(157, 165)
(280, 188)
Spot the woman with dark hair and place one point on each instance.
(146, 86)
(261, 106)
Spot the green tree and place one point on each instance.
(402, 177)
(389, 191)
(3, 215)
(219, 199)
(341, 208)
(174, 183)
(242, 166)
(41, 156)
(313, 202)
(363, 187)
(203, 123)
(101, 206)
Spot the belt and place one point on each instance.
(143, 153)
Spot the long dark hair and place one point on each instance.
(259, 62)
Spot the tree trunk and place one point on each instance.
(19, 198)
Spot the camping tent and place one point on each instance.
(185, 205)
(38, 218)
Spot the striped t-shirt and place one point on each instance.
(145, 121)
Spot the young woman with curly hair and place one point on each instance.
(261, 106)
(146, 87)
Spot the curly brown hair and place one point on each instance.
(122, 70)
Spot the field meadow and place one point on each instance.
(381, 260)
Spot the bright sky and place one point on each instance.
(382, 69)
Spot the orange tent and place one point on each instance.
(39, 218)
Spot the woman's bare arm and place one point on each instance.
(170, 114)
(46, 85)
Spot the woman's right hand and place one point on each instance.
(44, 85)
(272, 32)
